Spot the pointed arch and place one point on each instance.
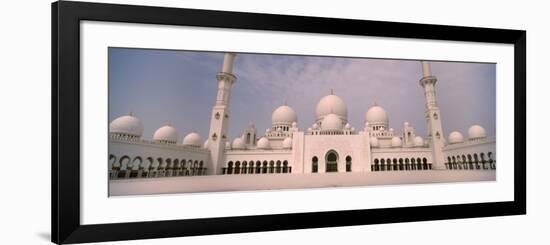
(113, 163)
(124, 162)
(264, 167)
(348, 163)
(258, 167)
(331, 161)
(483, 161)
(245, 167)
(230, 167)
(237, 167)
(492, 164)
(314, 164)
(271, 166)
(285, 166)
(150, 161)
(183, 164)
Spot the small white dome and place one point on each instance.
(128, 125)
(287, 143)
(206, 144)
(284, 115)
(227, 145)
(294, 124)
(263, 143)
(374, 142)
(396, 142)
(455, 137)
(376, 115)
(166, 134)
(418, 141)
(331, 104)
(238, 143)
(347, 126)
(315, 126)
(476, 132)
(331, 122)
(192, 139)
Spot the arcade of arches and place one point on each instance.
(400, 164)
(125, 167)
(257, 167)
(469, 161)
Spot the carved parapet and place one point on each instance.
(428, 80)
(224, 76)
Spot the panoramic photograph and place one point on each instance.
(202, 121)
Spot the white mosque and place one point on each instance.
(330, 144)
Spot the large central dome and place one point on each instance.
(331, 104)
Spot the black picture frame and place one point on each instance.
(66, 17)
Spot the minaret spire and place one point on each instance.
(220, 114)
(426, 69)
(433, 117)
(228, 59)
(428, 82)
(225, 79)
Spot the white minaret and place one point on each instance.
(433, 117)
(220, 115)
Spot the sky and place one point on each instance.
(179, 87)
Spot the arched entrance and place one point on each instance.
(331, 159)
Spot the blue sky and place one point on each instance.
(160, 86)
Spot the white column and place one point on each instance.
(228, 63)
(426, 69)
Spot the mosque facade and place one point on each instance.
(329, 145)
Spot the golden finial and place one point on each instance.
(331, 91)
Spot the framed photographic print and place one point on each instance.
(177, 122)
